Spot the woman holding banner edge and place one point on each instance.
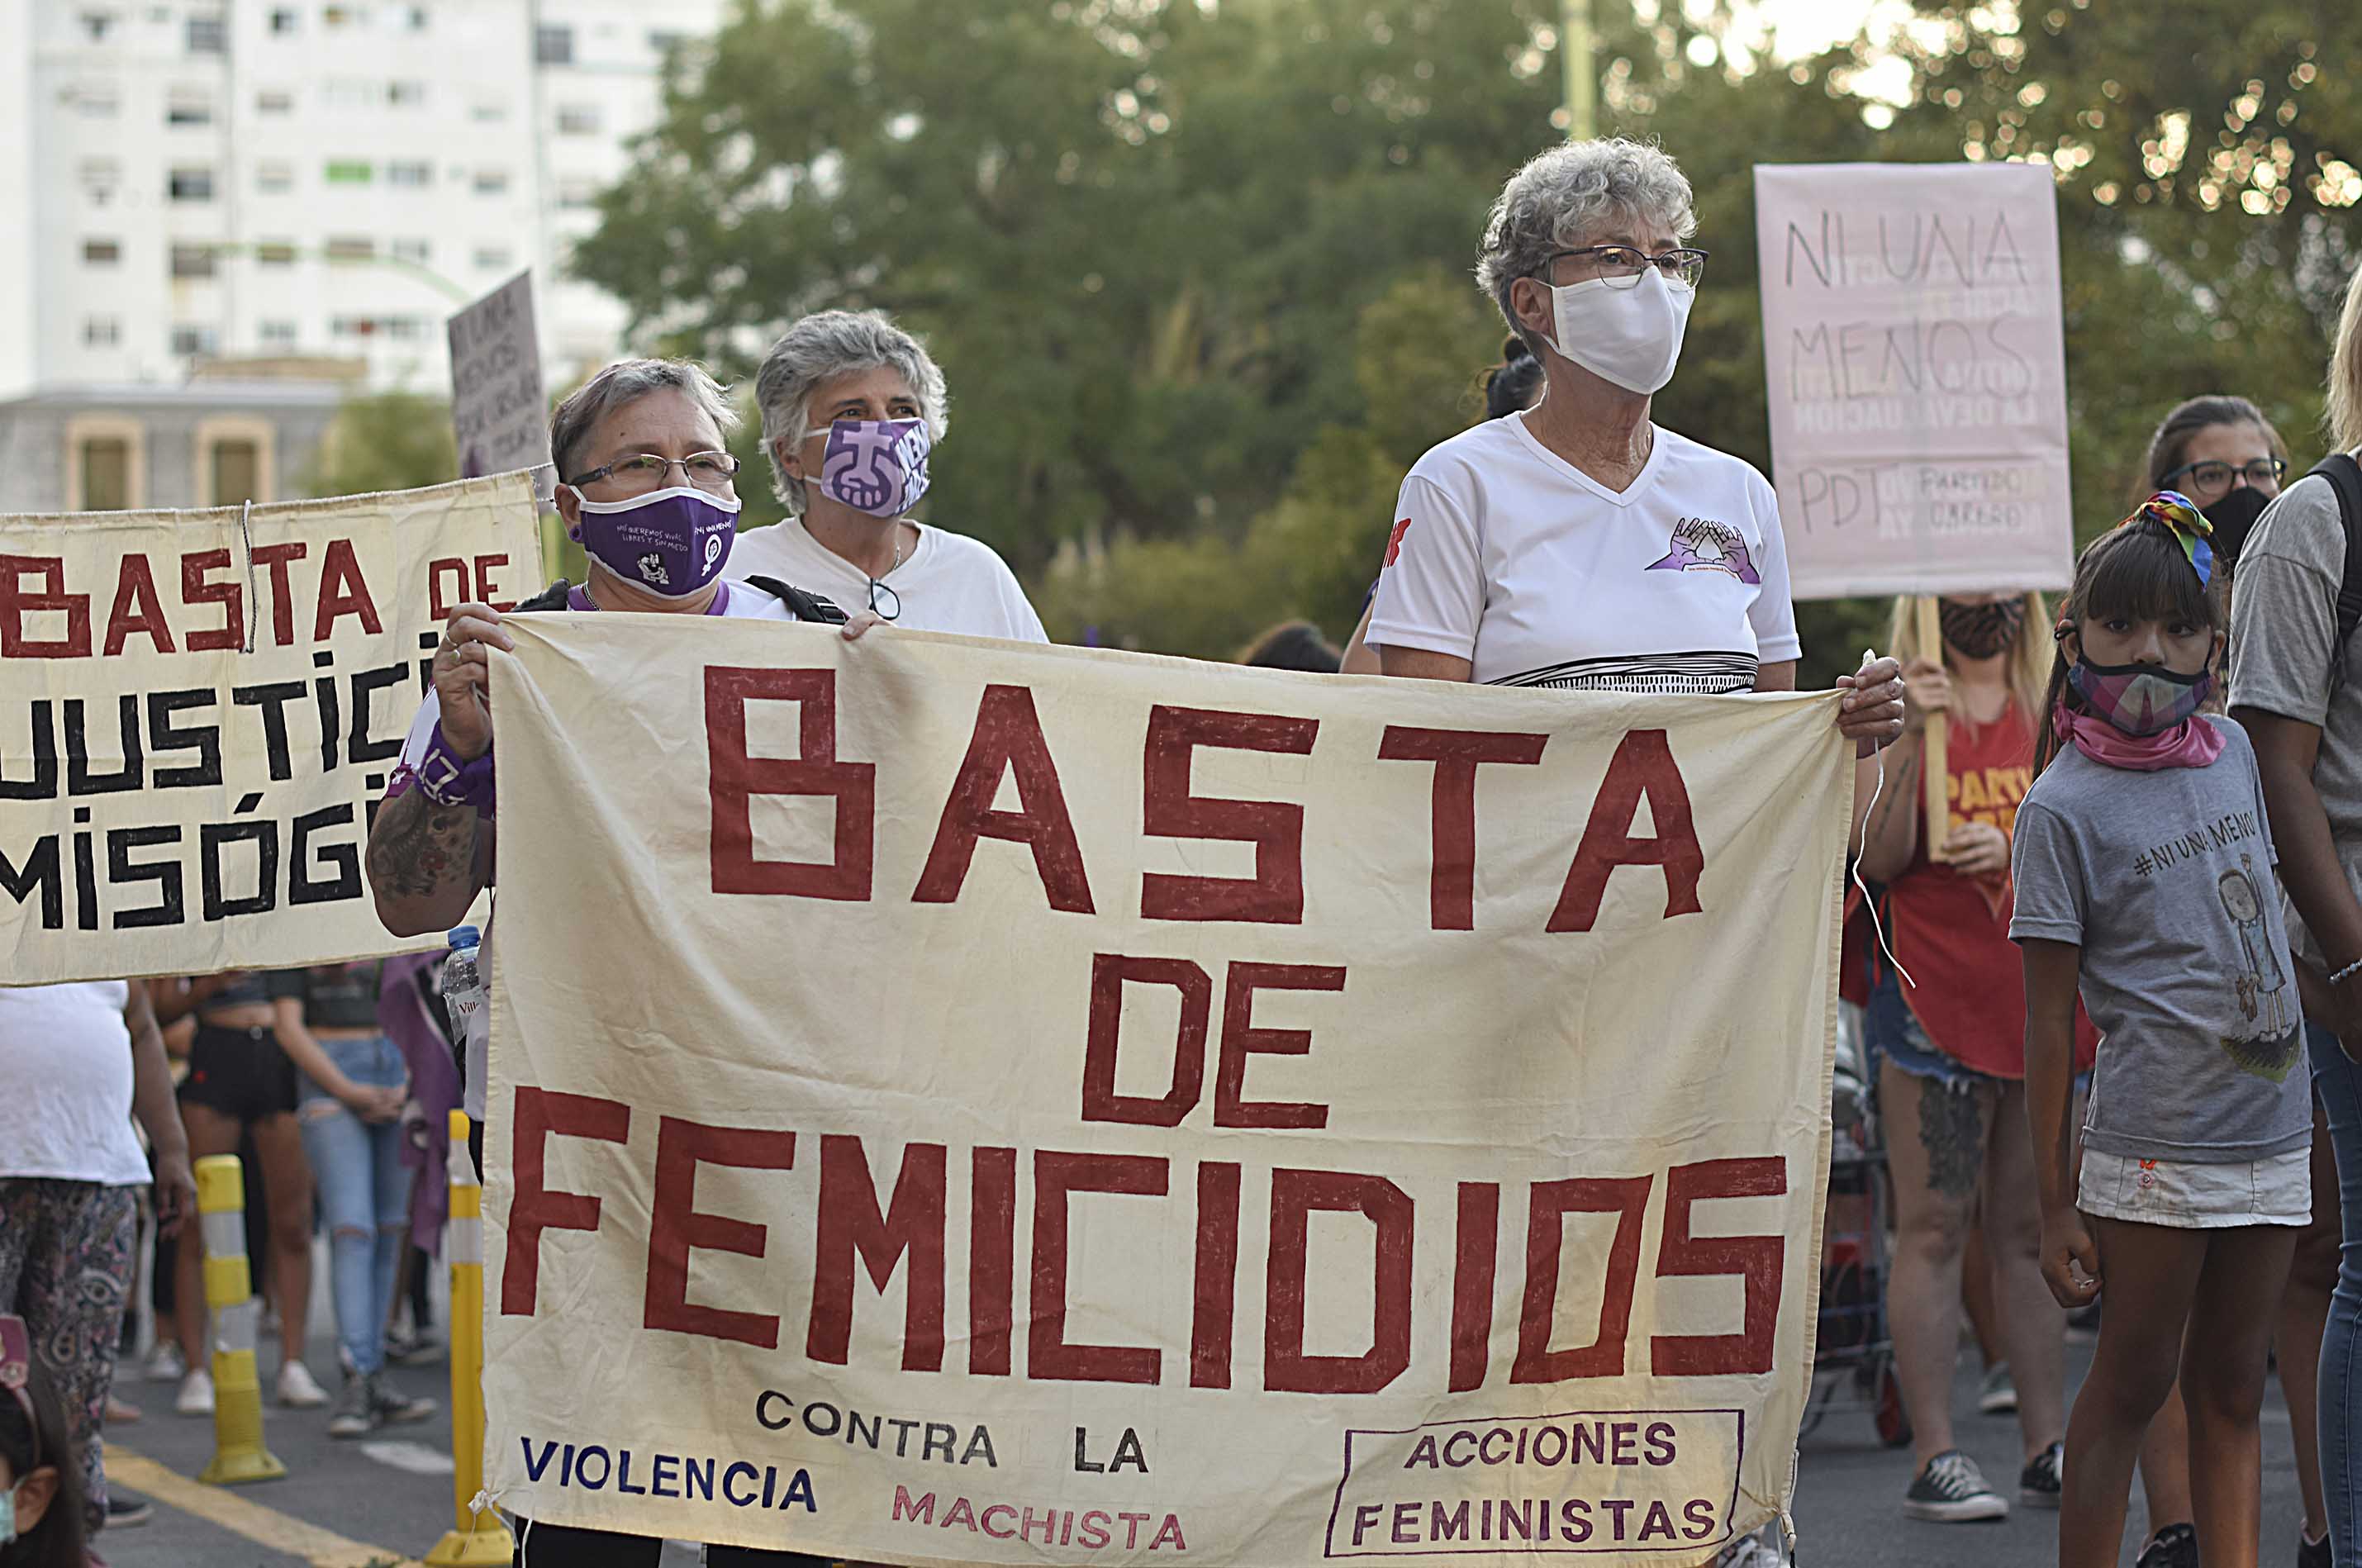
(1577, 544)
(647, 490)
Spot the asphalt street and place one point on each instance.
(384, 1502)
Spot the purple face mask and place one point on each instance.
(877, 466)
(673, 542)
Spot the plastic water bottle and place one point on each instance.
(464, 981)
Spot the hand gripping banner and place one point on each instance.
(199, 711)
(954, 1102)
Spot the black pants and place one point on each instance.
(556, 1546)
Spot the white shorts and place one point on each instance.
(2276, 1190)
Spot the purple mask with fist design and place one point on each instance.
(673, 542)
(877, 466)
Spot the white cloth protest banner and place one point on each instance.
(498, 409)
(954, 1101)
(1916, 364)
(201, 711)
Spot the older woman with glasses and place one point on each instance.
(1578, 543)
(852, 408)
(645, 488)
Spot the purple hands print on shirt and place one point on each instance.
(877, 466)
(1701, 545)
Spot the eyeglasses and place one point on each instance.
(639, 475)
(1622, 266)
(2263, 473)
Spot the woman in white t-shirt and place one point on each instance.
(852, 405)
(1578, 544)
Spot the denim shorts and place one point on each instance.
(1895, 1035)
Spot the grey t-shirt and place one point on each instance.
(2283, 652)
(2165, 881)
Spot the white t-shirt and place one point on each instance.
(65, 1060)
(742, 602)
(950, 583)
(1505, 554)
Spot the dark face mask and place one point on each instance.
(1981, 630)
(2234, 517)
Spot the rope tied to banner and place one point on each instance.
(253, 597)
(1877, 788)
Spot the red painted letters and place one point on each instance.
(737, 778)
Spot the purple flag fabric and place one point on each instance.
(434, 1084)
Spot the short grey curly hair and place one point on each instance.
(1562, 196)
(820, 348)
(626, 381)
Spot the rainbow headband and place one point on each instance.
(2190, 529)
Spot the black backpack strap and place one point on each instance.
(553, 597)
(2345, 477)
(804, 606)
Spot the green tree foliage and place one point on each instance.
(385, 441)
(1198, 273)
(2207, 196)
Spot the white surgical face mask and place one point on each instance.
(1630, 335)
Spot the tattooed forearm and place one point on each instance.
(421, 852)
(1900, 791)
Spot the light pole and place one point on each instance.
(1582, 82)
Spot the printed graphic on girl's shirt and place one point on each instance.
(1699, 545)
(2263, 983)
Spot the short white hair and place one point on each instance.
(818, 349)
(1564, 197)
(627, 381)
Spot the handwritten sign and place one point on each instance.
(497, 405)
(1301, 1120)
(1916, 366)
(201, 711)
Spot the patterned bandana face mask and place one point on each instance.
(2140, 699)
(877, 466)
(1981, 630)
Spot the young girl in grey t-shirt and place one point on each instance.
(2145, 877)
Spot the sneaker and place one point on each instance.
(196, 1395)
(1998, 1395)
(352, 1416)
(165, 1365)
(124, 1512)
(2176, 1546)
(120, 1412)
(392, 1407)
(2310, 1553)
(418, 1349)
(1952, 1490)
(297, 1390)
(2039, 1483)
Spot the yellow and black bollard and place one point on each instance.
(239, 1454)
(481, 1541)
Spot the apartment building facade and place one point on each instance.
(196, 186)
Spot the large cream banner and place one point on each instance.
(955, 1101)
(198, 712)
(1915, 355)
